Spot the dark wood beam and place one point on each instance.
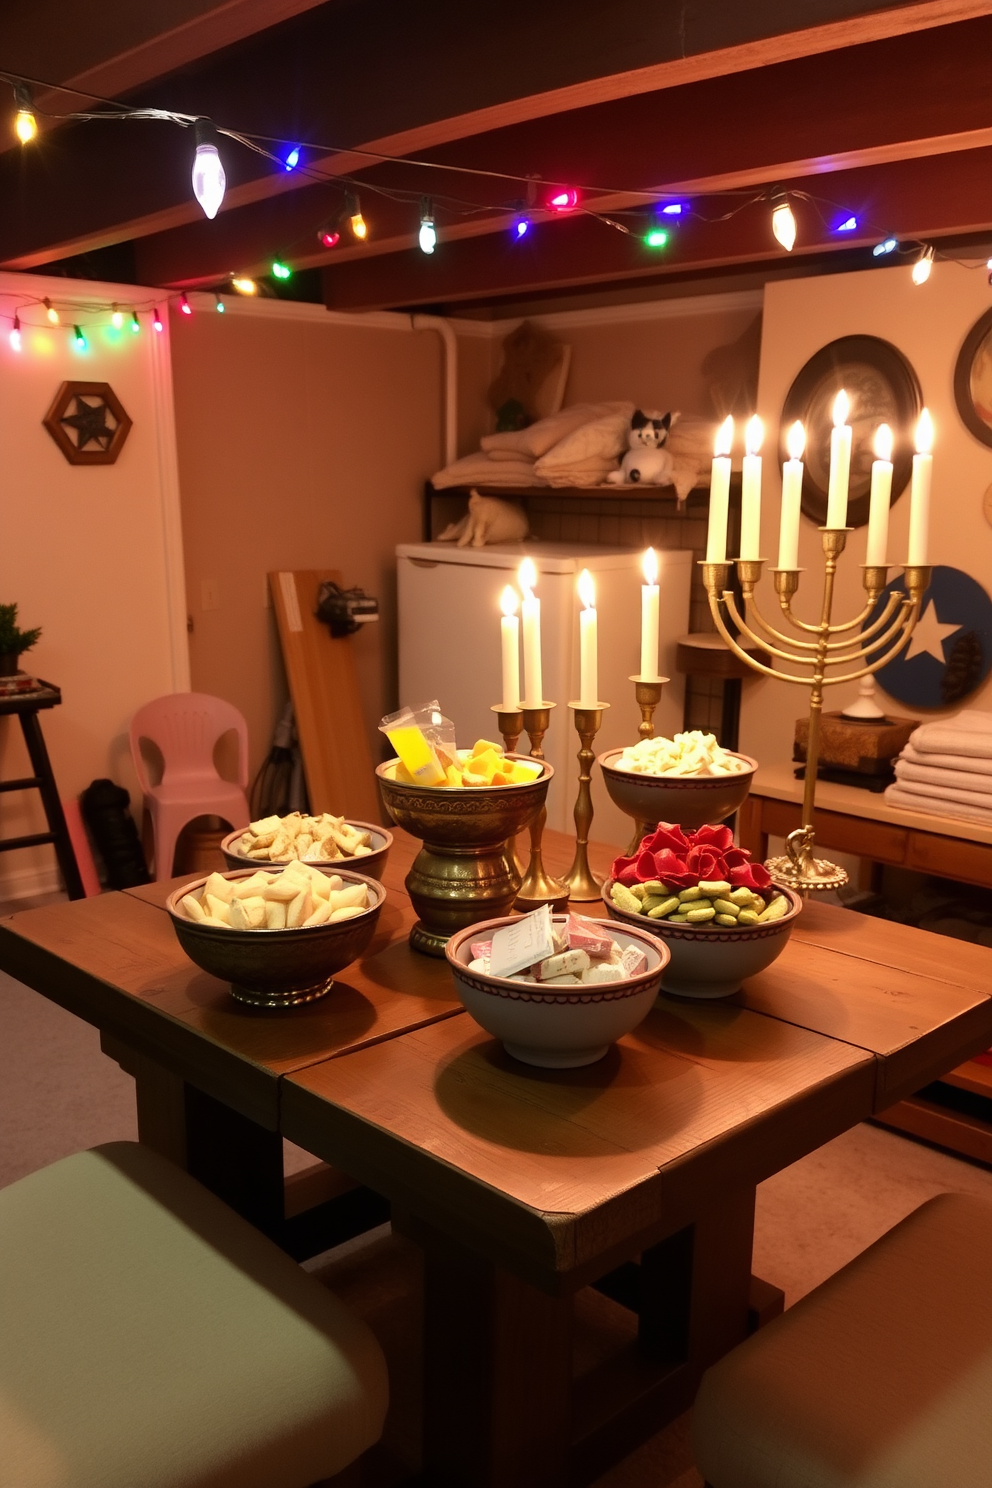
(926, 199)
(907, 98)
(402, 78)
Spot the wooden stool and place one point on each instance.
(706, 654)
(151, 1338)
(880, 1378)
(27, 706)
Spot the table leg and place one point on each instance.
(497, 1374)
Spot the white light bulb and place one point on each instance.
(428, 231)
(209, 179)
(922, 266)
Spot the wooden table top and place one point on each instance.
(779, 783)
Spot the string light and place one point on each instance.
(888, 245)
(156, 320)
(15, 334)
(328, 237)
(428, 229)
(564, 200)
(674, 209)
(220, 304)
(209, 180)
(25, 123)
(850, 224)
(521, 227)
(293, 158)
(135, 323)
(116, 319)
(50, 311)
(185, 308)
(353, 212)
(922, 266)
(656, 237)
(783, 221)
(280, 270)
(79, 338)
(244, 285)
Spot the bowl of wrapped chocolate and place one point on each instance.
(719, 914)
(688, 779)
(320, 840)
(277, 936)
(564, 988)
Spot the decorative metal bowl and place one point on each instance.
(713, 963)
(688, 800)
(276, 968)
(370, 865)
(462, 873)
(557, 1027)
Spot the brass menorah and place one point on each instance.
(823, 661)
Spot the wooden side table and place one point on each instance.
(27, 706)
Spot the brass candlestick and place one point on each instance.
(647, 692)
(538, 886)
(511, 723)
(583, 885)
(887, 635)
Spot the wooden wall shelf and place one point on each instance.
(661, 496)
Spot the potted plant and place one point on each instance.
(13, 640)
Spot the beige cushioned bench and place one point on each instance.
(150, 1338)
(880, 1378)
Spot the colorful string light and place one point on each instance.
(15, 334)
(209, 179)
(281, 270)
(185, 308)
(428, 228)
(156, 320)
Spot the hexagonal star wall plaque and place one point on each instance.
(88, 422)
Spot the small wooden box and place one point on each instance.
(856, 743)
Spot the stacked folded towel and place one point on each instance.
(946, 769)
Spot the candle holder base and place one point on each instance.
(798, 869)
(647, 695)
(511, 723)
(538, 886)
(583, 885)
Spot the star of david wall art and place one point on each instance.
(950, 652)
(88, 422)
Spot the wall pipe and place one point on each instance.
(450, 340)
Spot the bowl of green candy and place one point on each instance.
(719, 914)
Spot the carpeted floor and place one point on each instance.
(59, 1093)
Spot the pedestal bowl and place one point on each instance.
(462, 873)
(689, 800)
(370, 865)
(712, 963)
(276, 968)
(556, 1027)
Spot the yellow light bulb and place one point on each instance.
(51, 312)
(25, 126)
(117, 319)
(244, 286)
(784, 225)
(922, 266)
(359, 226)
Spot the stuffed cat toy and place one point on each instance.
(488, 520)
(646, 462)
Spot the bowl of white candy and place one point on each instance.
(323, 839)
(688, 779)
(564, 1009)
(279, 936)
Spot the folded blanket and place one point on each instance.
(968, 732)
(479, 470)
(693, 439)
(981, 799)
(538, 438)
(602, 439)
(969, 762)
(896, 795)
(935, 779)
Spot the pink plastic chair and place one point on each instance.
(185, 726)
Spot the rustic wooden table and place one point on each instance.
(635, 1176)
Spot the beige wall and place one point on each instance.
(304, 442)
(92, 555)
(927, 324)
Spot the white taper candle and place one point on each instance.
(881, 496)
(510, 642)
(716, 534)
(649, 615)
(588, 643)
(792, 498)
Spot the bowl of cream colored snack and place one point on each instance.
(565, 1010)
(688, 779)
(720, 916)
(321, 840)
(278, 936)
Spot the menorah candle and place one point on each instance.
(716, 535)
(792, 498)
(588, 643)
(881, 494)
(510, 640)
(531, 616)
(919, 494)
(754, 433)
(840, 463)
(649, 616)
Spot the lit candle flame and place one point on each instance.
(924, 433)
(587, 589)
(724, 437)
(650, 566)
(754, 433)
(527, 577)
(842, 407)
(508, 600)
(795, 441)
(883, 442)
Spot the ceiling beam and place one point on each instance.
(406, 79)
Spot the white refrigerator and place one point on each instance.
(449, 648)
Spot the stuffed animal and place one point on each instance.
(488, 520)
(646, 462)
